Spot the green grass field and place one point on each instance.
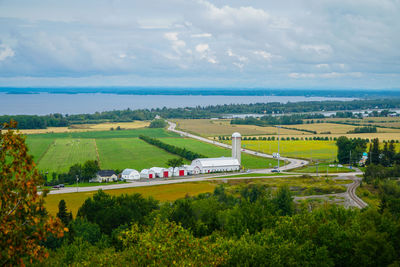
(321, 150)
(209, 150)
(121, 153)
(38, 147)
(153, 132)
(322, 169)
(66, 152)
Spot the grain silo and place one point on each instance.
(236, 146)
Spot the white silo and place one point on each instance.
(236, 146)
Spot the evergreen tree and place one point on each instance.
(65, 217)
(375, 151)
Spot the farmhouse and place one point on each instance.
(208, 165)
(130, 175)
(147, 174)
(104, 176)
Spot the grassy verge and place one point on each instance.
(300, 186)
(369, 194)
(322, 169)
(256, 175)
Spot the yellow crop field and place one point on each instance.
(89, 127)
(206, 127)
(169, 192)
(321, 150)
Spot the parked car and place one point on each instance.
(56, 187)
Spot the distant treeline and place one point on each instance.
(183, 152)
(35, 122)
(367, 129)
(277, 120)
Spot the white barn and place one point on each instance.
(161, 172)
(130, 175)
(178, 171)
(222, 164)
(147, 174)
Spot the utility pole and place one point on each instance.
(279, 150)
(77, 185)
(350, 158)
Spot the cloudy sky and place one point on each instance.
(201, 43)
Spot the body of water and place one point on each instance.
(45, 103)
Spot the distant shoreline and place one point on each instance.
(337, 93)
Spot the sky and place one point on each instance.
(332, 44)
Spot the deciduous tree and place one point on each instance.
(24, 222)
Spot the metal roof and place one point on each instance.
(216, 162)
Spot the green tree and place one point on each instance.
(176, 162)
(63, 214)
(283, 201)
(158, 123)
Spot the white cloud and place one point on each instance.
(328, 75)
(201, 48)
(177, 44)
(5, 52)
(201, 35)
(263, 54)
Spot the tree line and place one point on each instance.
(84, 172)
(127, 115)
(276, 120)
(183, 152)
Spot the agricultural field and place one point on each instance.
(89, 127)
(214, 128)
(161, 192)
(325, 127)
(153, 132)
(121, 153)
(377, 121)
(56, 152)
(316, 150)
(62, 153)
(209, 150)
(38, 147)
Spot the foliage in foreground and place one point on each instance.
(250, 227)
(24, 223)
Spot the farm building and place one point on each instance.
(178, 171)
(189, 169)
(104, 176)
(161, 172)
(148, 174)
(208, 165)
(130, 175)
